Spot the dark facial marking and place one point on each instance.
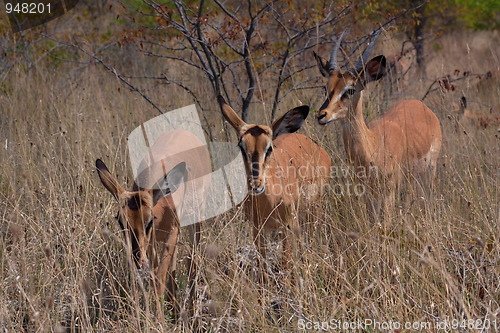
(255, 131)
(149, 225)
(269, 151)
(119, 218)
(135, 202)
(255, 165)
(135, 246)
(328, 99)
(243, 153)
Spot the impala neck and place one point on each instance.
(358, 138)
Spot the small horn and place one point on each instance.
(332, 64)
(364, 58)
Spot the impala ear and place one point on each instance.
(171, 182)
(463, 103)
(109, 182)
(229, 114)
(374, 70)
(322, 65)
(291, 121)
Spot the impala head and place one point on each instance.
(256, 141)
(135, 212)
(462, 105)
(344, 86)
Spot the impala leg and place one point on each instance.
(167, 268)
(286, 257)
(434, 155)
(172, 286)
(372, 196)
(291, 243)
(372, 206)
(432, 179)
(425, 185)
(389, 203)
(291, 232)
(388, 197)
(258, 240)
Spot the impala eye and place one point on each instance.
(119, 219)
(269, 150)
(242, 147)
(350, 91)
(149, 225)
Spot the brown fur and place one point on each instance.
(405, 138)
(165, 228)
(467, 119)
(268, 206)
(137, 208)
(286, 184)
(487, 83)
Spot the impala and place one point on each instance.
(149, 216)
(406, 138)
(469, 119)
(282, 167)
(464, 117)
(487, 85)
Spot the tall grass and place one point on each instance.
(63, 262)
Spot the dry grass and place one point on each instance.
(62, 260)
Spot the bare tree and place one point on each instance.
(242, 49)
(259, 39)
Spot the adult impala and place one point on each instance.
(149, 214)
(407, 138)
(282, 167)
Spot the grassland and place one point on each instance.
(62, 258)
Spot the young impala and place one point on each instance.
(150, 216)
(282, 168)
(406, 140)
